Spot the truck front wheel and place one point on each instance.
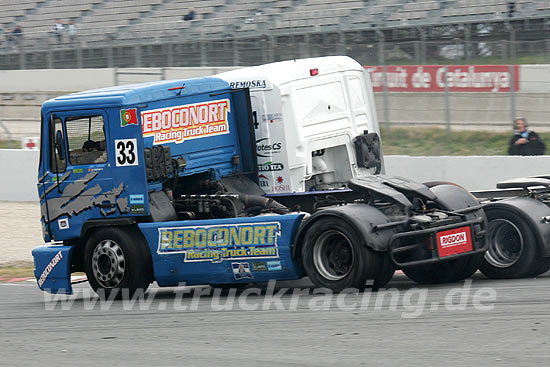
(116, 263)
(334, 256)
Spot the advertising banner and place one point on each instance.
(432, 78)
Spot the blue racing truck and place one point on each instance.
(160, 182)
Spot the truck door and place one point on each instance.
(78, 185)
(273, 167)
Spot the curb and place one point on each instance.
(13, 280)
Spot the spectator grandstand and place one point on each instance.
(124, 33)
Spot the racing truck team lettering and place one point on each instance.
(56, 259)
(221, 242)
(178, 123)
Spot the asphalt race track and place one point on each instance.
(478, 323)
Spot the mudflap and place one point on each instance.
(52, 268)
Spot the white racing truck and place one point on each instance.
(316, 128)
(323, 113)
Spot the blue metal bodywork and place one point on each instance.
(248, 248)
(265, 258)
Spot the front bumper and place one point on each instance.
(52, 268)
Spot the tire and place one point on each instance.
(543, 267)
(117, 261)
(385, 271)
(334, 257)
(446, 271)
(513, 249)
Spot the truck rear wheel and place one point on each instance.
(444, 272)
(334, 256)
(385, 272)
(115, 261)
(544, 266)
(513, 250)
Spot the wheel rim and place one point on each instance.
(108, 264)
(505, 243)
(333, 255)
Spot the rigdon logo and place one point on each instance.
(454, 239)
(265, 149)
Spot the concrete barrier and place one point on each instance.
(19, 173)
(473, 173)
(19, 170)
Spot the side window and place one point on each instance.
(58, 163)
(86, 139)
(358, 100)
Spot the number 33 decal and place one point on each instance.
(126, 152)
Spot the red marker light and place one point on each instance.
(177, 88)
(313, 72)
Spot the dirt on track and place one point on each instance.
(20, 232)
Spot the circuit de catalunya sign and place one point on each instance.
(432, 78)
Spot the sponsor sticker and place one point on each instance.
(191, 121)
(216, 243)
(280, 188)
(250, 84)
(454, 241)
(137, 199)
(241, 271)
(270, 166)
(272, 117)
(274, 266)
(137, 209)
(78, 170)
(265, 148)
(63, 223)
(259, 266)
(264, 180)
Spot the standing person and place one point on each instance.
(17, 35)
(525, 142)
(58, 30)
(71, 31)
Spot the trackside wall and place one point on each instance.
(19, 170)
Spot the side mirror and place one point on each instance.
(367, 150)
(59, 147)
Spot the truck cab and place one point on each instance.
(314, 120)
(105, 152)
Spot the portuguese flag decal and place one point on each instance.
(128, 117)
